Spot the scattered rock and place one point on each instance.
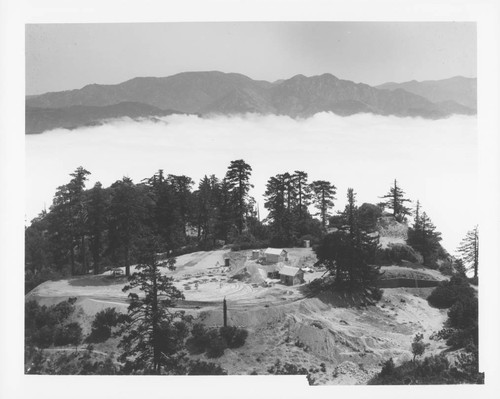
(317, 324)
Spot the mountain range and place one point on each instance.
(210, 93)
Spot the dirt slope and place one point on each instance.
(349, 338)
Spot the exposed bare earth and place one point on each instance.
(282, 323)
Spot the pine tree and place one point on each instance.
(182, 196)
(323, 196)
(303, 193)
(68, 219)
(238, 179)
(127, 211)
(424, 238)
(469, 250)
(155, 333)
(97, 223)
(206, 209)
(395, 201)
(348, 254)
(278, 202)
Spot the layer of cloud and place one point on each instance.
(434, 161)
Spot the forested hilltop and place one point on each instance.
(94, 229)
(169, 312)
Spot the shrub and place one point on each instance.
(448, 292)
(102, 324)
(418, 346)
(216, 344)
(69, 334)
(463, 338)
(375, 294)
(387, 368)
(446, 268)
(198, 342)
(233, 336)
(286, 369)
(431, 370)
(43, 337)
(42, 322)
(199, 367)
(464, 313)
(62, 310)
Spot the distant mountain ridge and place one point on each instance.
(39, 120)
(207, 93)
(458, 89)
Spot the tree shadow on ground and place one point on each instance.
(97, 281)
(335, 297)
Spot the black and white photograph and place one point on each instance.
(292, 199)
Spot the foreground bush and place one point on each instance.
(431, 370)
(199, 367)
(214, 341)
(69, 363)
(69, 334)
(233, 336)
(290, 369)
(102, 324)
(216, 344)
(45, 326)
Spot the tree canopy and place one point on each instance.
(395, 200)
(469, 250)
(349, 252)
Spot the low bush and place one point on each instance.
(286, 369)
(431, 370)
(446, 268)
(214, 341)
(418, 346)
(216, 345)
(102, 324)
(448, 292)
(279, 368)
(463, 338)
(198, 341)
(45, 326)
(199, 367)
(72, 363)
(463, 313)
(233, 336)
(69, 334)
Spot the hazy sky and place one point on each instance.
(69, 56)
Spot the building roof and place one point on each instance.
(275, 267)
(274, 251)
(290, 271)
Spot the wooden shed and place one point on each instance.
(275, 255)
(291, 275)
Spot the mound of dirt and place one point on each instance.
(351, 340)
